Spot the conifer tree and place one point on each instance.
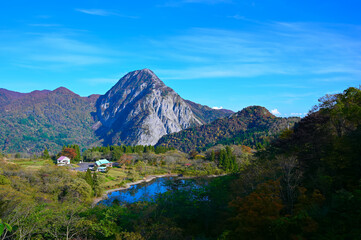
(213, 156)
(95, 180)
(89, 178)
(46, 154)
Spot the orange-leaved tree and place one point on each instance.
(69, 152)
(254, 214)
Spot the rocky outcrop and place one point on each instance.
(140, 109)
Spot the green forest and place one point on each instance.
(304, 184)
(254, 127)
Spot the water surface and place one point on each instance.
(145, 191)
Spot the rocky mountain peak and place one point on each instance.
(139, 109)
(139, 78)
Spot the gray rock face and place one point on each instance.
(140, 109)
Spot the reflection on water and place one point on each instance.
(145, 191)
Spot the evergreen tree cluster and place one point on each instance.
(92, 180)
(115, 152)
(227, 160)
(77, 156)
(46, 154)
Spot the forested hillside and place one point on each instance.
(253, 126)
(304, 185)
(315, 169)
(45, 119)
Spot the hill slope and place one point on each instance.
(206, 114)
(250, 126)
(31, 121)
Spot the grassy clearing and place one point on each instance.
(32, 163)
(114, 178)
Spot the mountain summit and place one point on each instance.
(140, 109)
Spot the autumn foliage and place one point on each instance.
(69, 152)
(254, 213)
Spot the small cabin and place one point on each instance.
(103, 164)
(63, 161)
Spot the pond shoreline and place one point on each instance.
(128, 185)
(145, 180)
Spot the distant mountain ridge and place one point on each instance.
(139, 109)
(29, 122)
(251, 126)
(206, 114)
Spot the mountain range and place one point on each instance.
(138, 109)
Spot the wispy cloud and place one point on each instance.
(64, 43)
(98, 12)
(298, 114)
(72, 59)
(44, 25)
(103, 12)
(237, 17)
(217, 108)
(274, 48)
(97, 81)
(57, 51)
(207, 1)
(178, 3)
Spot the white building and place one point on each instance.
(63, 161)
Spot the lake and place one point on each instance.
(148, 191)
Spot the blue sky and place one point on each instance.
(280, 54)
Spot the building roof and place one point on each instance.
(101, 162)
(63, 158)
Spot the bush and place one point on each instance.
(4, 180)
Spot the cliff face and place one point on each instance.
(140, 109)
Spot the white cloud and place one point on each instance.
(103, 12)
(44, 25)
(57, 51)
(96, 81)
(217, 108)
(207, 1)
(98, 12)
(178, 3)
(297, 114)
(73, 59)
(275, 112)
(269, 48)
(237, 17)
